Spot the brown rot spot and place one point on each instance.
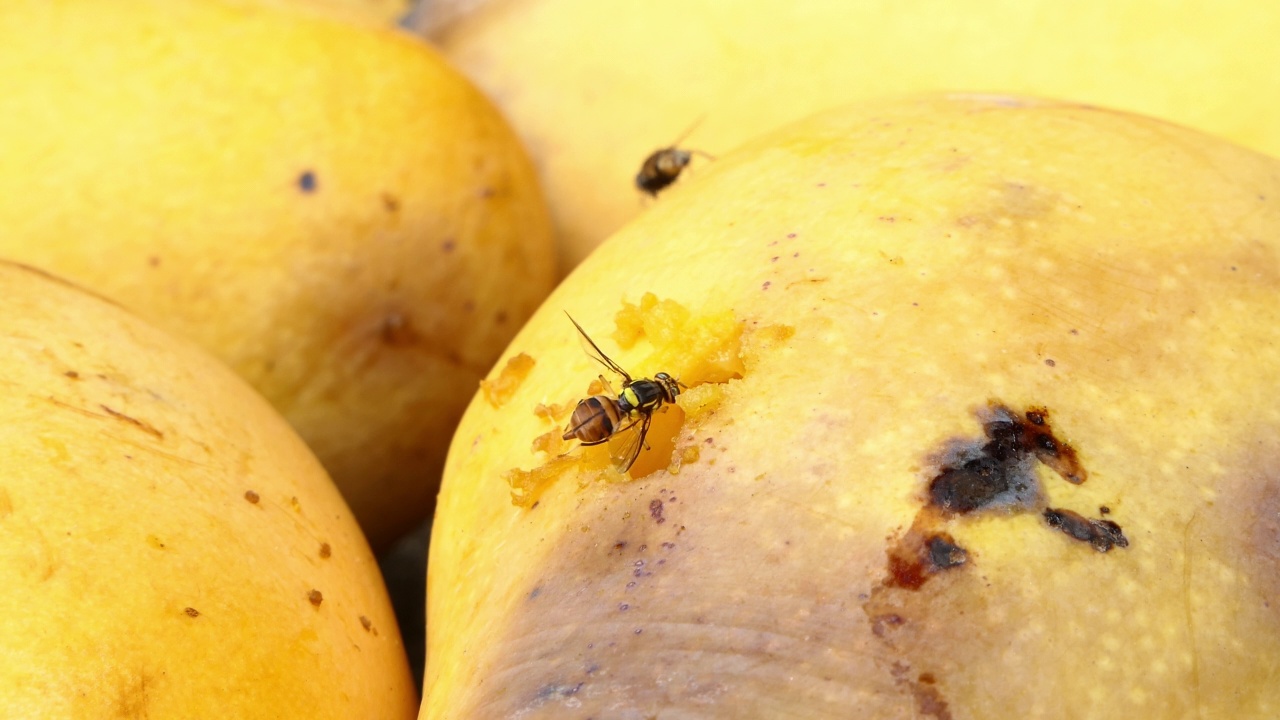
(315, 598)
(325, 551)
(929, 701)
(1101, 534)
(191, 612)
(920, 554)
(655, 511)
(72, 374)
(251, 496)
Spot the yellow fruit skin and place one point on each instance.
(594, 87)
(328, 208)
(896, 267)
(137, 579)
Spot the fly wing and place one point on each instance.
(594, 351)
(624, 446)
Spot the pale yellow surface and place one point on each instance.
(930, 255)
(156, 152)
(378, 13)
(594, 87)
(136, 579)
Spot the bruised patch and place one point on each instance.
(500, 390)
(997, 474)
(1001, 471)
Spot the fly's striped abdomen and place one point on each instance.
(594, 420)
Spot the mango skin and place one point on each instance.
(170, 548)
(593, 87)
(897, 267)
(327, 207)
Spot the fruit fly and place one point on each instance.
(621, 419)
(664, 165)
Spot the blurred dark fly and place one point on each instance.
(664, 165)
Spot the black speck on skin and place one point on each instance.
(1101, 534)
(307, 181)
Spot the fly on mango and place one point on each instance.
(621, 419)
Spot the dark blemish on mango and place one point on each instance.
(155, 542)
(1101, 534)
(251, 496)
(390, 202)
(366, 623)
(191, 612)
(315, 598)
(500, 317)
(655, 511)
(534, 593)
(920, 554)
(447, 246)
(72, 374)
(307, 181)
(766, 285)
(1000, 472)
(154, 261)
(325, 551)
(1050, 362)
(997, 473)
(144, 427)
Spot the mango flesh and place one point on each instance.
(170, 548)
(326, 207)
(594, 88)
(905, 275)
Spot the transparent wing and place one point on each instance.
(594, 351)
(624, 446)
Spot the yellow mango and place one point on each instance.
(169, 548)
(327, 207)
(1000, 443)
